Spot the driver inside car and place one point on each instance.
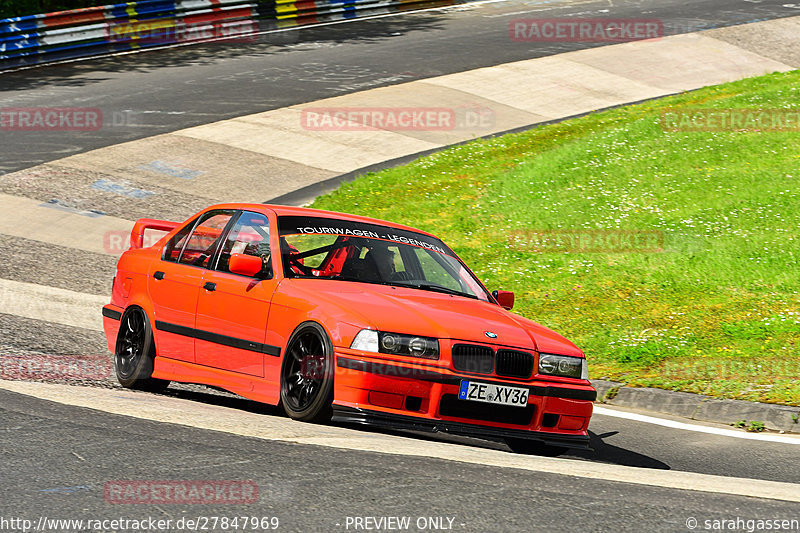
(383, 259)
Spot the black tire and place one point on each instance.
(307, 374)
(135, 350)
(534, 447)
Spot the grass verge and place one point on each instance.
(671, 258)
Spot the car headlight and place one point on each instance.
(563, 365)
(369, 340)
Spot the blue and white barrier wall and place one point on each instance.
(101, 30)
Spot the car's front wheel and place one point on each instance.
(133, 357)
(307, 374)
(534, 447)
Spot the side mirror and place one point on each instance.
(246, 265)
(505, 299)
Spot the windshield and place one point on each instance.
(314, 247)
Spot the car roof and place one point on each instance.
(285, 210)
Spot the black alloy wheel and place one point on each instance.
(135, 350)
(307, 374)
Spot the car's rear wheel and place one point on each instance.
(307, 374)
(534, 447)
(135, 350)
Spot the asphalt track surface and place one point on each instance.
(56, 459)
(155, 92)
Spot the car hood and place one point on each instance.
(432, 314)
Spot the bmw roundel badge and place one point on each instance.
(490, 334)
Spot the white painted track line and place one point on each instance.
(52, 304)
(599, 410)
(55, 224)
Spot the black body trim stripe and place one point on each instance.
(565, 393)
(390, 420)
(386, 369)
(112, 313)
(217, 338)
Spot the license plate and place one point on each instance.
(489, 393)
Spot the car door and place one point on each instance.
(233, 309)
(174, 283)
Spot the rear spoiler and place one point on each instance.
(144, 224)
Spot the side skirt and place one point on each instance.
(259, 390)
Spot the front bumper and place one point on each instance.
(375, 418)
(424, 397)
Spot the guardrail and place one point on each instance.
(93, 31)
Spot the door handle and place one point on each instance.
(210, 286)
(159, 275)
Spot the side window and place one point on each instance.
(249, 236)
(173, 248)
(202, 243)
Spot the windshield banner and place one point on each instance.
(331, 226)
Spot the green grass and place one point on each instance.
(715, 310)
